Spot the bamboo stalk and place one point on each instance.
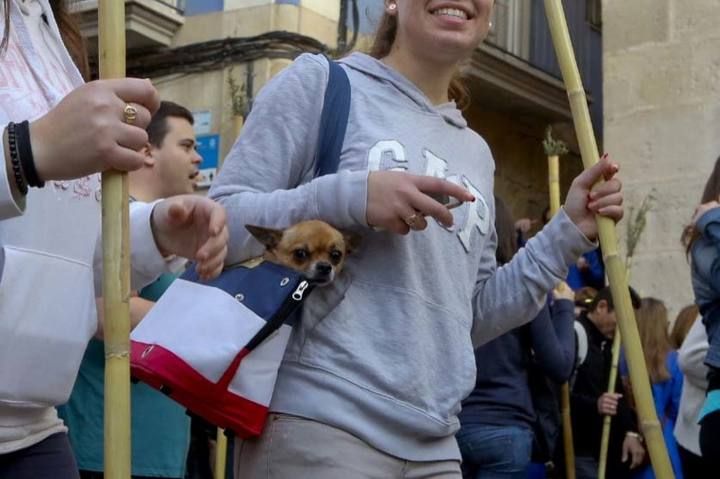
(612, 381)
(567, 431)
(554, 183)
(608, 239)
(116, 265)
(220, 454)
(553, 150)
(607, 420)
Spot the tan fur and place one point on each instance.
(312, 247)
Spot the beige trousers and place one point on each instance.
(296, 448)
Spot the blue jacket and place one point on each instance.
(706, 280)
(706, 260)
(502, 395)
(593, 276)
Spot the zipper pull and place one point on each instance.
(300, 291)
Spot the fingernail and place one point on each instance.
(592, 195)
(604, 156)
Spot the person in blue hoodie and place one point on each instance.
(373, 377)
(702, 239)
(498, 418)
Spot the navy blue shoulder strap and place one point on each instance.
(333, 121)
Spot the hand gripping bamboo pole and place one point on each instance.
(116, 265)
(608, 239)
(553, 150)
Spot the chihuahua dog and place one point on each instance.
(313, 248)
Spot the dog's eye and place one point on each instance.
(335, 256)
(301, 254)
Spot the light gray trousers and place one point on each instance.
(296, 448)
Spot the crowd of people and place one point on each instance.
(440, 352)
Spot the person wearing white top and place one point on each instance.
(56, 134)
(691, 358)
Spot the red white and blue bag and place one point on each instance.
(215, 347)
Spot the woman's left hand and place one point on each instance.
(563, 291)
(585, 199)
(702, 209)
(193, 227)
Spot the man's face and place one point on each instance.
(604, 319)
(176, 162)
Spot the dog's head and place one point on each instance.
(313, 247)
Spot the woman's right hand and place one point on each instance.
(395, 196)
(85, 133)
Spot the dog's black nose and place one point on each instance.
(323, 268)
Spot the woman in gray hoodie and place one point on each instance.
(373, 377)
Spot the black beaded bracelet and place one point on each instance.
(26, 155)
(15, 160)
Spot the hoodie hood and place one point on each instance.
(375, 68)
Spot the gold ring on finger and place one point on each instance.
(130, 114)
(411, 220)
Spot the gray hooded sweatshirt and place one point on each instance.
(386, 351)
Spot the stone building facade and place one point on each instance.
(662, 110)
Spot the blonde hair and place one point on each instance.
(652, 321)
(684, 321)
(383, 43)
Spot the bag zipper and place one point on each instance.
(278, 319)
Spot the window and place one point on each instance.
(594, 13)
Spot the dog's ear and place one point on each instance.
(352, 241)
(269, 237)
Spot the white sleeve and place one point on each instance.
(691, 355)
(146, 262)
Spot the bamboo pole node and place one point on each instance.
(116, 354)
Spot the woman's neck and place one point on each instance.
(432, 79)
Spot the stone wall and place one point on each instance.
(662, 115)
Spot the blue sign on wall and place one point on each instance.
(208, 147)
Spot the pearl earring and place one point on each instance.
(489, 25)
(392, 7)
